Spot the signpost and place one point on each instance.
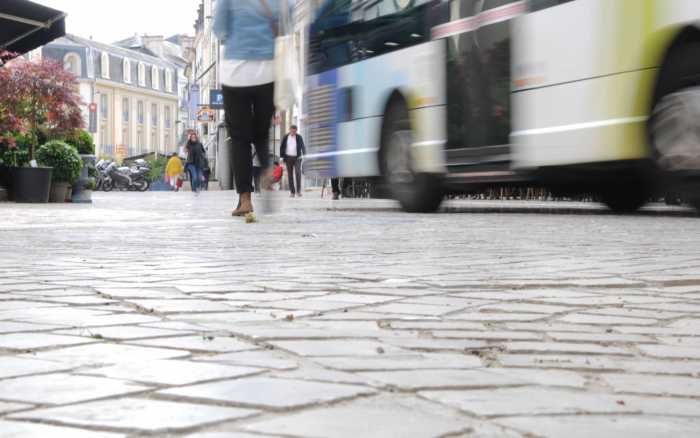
(216, 99)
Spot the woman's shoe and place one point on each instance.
(245, 205)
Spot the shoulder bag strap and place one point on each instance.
(274, 26)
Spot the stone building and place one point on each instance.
(130, 97)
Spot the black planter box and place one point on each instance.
(30, 184)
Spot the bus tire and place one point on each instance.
(673, 126)
(416, 192)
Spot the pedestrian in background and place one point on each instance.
(196, 161)
(173, 170)
(292, 150)
(248, 29)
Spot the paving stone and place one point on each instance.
(171, 372)
(29, 341)
(355, 298)
(487, 335)
(412, 309)
(181, 305)
(376, 417)
(671, 351)
(606, 338)
(15, 429)
(269, 392)
(135, 292)
(682, 341)
(428, 344)
(137, 414)
(63, 388)
(11, 407)
(581, 318)
(308, 304)
(496, 317)
(106, 354)
(258, 358)
(230, 434)
(16, 366)
(16, 327)
(436, 325)
(532, 401)
(562, 347)
(438, 379)
(337, 348)
(206, 342)
(659, 385)
(562, 361)
(120, 332)
(401, 362)
(525, 308)
(543, 377)
(681, 366)
(605, 426)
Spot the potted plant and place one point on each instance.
(25, 183)
(84, 195)
(36, 98)
(82, 141)
(66, 164)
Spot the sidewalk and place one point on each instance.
(157, 314)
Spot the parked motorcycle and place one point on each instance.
(126, 178)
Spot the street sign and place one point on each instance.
(216, 99)
(205, 115)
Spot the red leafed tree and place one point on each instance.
(38, 95)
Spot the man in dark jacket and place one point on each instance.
(292, 151)
(196, 161)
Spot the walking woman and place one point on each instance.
(248, 29)
(196, 161)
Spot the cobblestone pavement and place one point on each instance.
(160, 315)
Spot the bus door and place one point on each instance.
(478, 82)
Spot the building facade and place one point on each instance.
(130, 98)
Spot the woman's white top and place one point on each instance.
(241, 73)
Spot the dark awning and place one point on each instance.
(24, 25)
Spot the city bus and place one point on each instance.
(439, 96)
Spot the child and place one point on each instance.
(173, 170)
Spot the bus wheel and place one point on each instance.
(674, 128)
(416, 192)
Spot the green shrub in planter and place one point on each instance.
(82, 141)
(63, 158)
(89, 184)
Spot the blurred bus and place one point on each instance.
(596, 96)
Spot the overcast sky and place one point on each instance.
(108, 21)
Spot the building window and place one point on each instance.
(154, 114)
(71, 63)
(127, 71)
(104, 106)
(169, 81)
(142, 74)
(125, 110)
(167, 117)
(139, 141)
(104, 65)
(155, 78)
(140, 112)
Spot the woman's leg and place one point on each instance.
(263, 109)
(238, 104)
